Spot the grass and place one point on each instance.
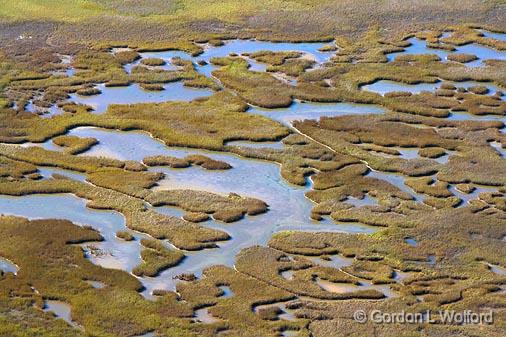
(156, 258)
(74, 145)
(153, 62)
(338, 153)
(124, 235)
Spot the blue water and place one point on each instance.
(132, 94)
(306, 110)
(238, 47)
(496, 36)
(7, 266)
(289, 209)
(420, 47)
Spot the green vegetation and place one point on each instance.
(153, 62)
(427, 253)
(124, 235)
(156, 258)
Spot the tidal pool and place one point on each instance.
(335, 261)
(47, 173)
(114, 253)
(420, 47)
(289, 209)
(492, 35)
(498, 147)
(309, 110)
(396, 180)
(53, 110)
(96, 284)
(385, 86)
(365, 201)
(466, 197)
(410, 241)
(7, 266)
(285, 314)
(497, 269)
(203, 316)
(174, 91)
(239, 47)
(270, 145)
(335, 287)
(61, 310)
(226, 292)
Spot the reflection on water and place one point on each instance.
(7, 266)
(492, 35)
(385, 86)
(397, 181)
(270, 145)
(466, 197)
(61, 310)
(96, 284)
(47, 173)
(226, 292)
(110, 253)
(497, 269)
(341, 288)
(410, 241)
(288, 207)
(310, 50)
(306, 110)
(420, 47)
(174, 91)
(203, 316)
(53, 110)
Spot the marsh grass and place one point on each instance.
(156, 258)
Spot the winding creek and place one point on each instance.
(289, 209)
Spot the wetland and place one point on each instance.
(249, 184)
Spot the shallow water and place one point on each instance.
(96, 284)
(498, 147)
(270, 145)
(384, 86)
(227, 292)
(461, 116)
(396, 180)
(203, 316)
(61, 310)
(365, 201)
(7, 266)
(53, 110)
(336, 261)
(288, 207)
(117, 254)
(239, 47)
(341, 288)
(287, 274)
(308, 110)
(174, 91)
(492, 35)
(497, 269)
(420, 47)
(47, 172)
(286, 314)
(466, 197)
(410, 241)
